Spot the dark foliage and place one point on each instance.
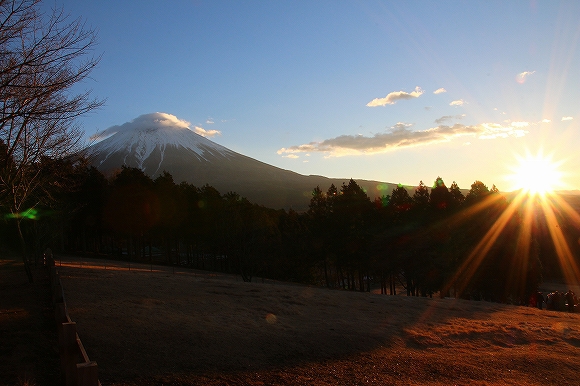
(477, 247)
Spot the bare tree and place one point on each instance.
(41, 58)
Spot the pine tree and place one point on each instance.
(421, 197)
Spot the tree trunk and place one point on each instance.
(23, 249)
(326, 273)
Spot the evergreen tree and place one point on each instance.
(456, 197)
(400, 199)
(477, 192)
(421, 197)
(440, 197)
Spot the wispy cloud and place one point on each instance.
(439, 91)
(206, 133)
(545, 120)
(446, 118)
(395, 96)
(459, 102)
(567, 118)
(400, 136)
(523, 76)
(209, 121)
(153, 121)
(293, 156)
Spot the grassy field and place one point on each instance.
(148, 327)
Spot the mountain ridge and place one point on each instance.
(161, 142)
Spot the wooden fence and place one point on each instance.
(76, 367)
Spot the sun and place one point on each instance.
(536, 175)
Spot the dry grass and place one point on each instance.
(28, 341)
(159, 328)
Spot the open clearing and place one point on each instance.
(160, 328)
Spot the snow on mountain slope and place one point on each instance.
(153, 133)
(161, 142)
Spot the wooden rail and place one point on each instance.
(76, 367)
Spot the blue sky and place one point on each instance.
(348, 88)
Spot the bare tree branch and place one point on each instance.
(41, 58)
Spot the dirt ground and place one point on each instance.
(28, 340)
(147, 327)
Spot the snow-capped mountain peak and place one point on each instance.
(151, 135)
(161, 142)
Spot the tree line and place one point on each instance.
(428, 240)
(434, 240)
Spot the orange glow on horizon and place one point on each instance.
(536, 175)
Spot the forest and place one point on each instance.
(473, 243)
(435, 239)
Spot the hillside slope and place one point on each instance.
(150, 328)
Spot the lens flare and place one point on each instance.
(31, 214)
(536, 175)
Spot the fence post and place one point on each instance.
(52, 275)
(88, 374)
(60, 313)
(57, 291)
(68, 352)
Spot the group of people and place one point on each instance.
(556, 301)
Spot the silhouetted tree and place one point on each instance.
(421, 197)
(440, 197)
(41, 60)
(352, 217)
(86, 225)
(400, 199)
(477, 192)
(318, 216)
(456, 197)
(132, 207)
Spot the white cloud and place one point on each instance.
(459, 102)
(206, 133)
(210, 121)
(567, 118)
(293, 156)
(545, 120)
(152, 120)
(439, 91)
(401, 125)
(395, 96)
(495, 130)
(401, 137)
(523, 76)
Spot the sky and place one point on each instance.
(393, 91)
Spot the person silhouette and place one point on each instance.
(539, 300)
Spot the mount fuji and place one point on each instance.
(161, 142)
